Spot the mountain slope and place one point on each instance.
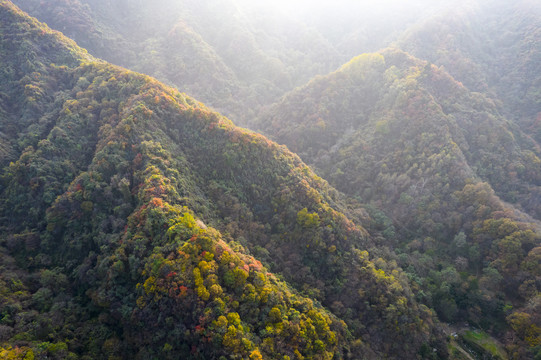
(237, 56)
(489, 46)
(402, 135)
(131, 215)
(196, 45)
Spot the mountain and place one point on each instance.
(453, 184)
(490, 46)
(234, 55)
(137, 223)
(237, 56)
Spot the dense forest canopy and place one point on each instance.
(405, 137)
(401, 220)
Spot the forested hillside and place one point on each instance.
(237, 56)
(234, 56)
(136, 223)
(491, 46)
(404, 137)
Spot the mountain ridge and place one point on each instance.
(173, 233)
(401, 135)
(129, 216)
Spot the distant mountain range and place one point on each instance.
(237, 55)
